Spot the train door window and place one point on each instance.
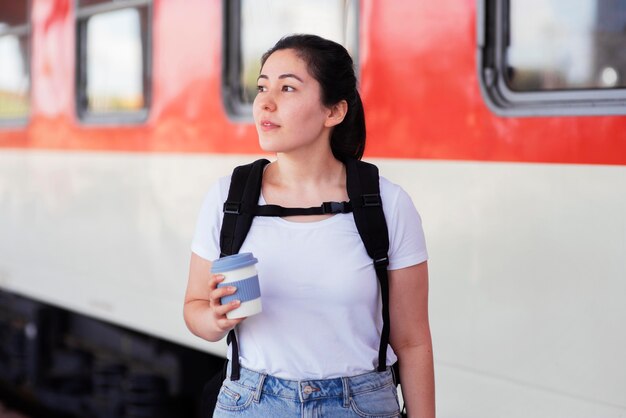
(113, 62)
(553, 57)
(14, 61)
(253, 26)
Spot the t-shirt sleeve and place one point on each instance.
(206, 238)
(407, 245)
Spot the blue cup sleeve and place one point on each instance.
(247, 289)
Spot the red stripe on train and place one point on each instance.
(418, 82)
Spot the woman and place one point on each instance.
(313, 350)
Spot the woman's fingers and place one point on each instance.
(228, 324)
(215, 280)
(219, 310)
(219, 293)
(222, 310)
(222, 321)
(216, 293)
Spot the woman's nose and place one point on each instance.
(268, 104)
(265, 101)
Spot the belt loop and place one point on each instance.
(346, 392)
(300, 391)
(259, 387)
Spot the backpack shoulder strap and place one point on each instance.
(367, 206)
(243, 197)
(364, 193)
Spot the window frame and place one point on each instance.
(231, 61)
(492, 21)
(22, 30)
(82, 15)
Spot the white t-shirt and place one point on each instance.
(321, 301)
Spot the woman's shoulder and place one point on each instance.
(389, 191)
(395, 198)
(219, 188)
(217, 193)
(223, 184)
(386, 184)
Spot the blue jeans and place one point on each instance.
(370, 395)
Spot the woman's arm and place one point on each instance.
(410, 338)
(203, 312)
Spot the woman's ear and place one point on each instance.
(336, 113)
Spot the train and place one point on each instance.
(505, 120)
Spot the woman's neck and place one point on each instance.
(306, 171)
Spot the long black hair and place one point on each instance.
(331, 65)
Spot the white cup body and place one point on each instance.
(247, 308)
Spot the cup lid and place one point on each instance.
(233, 262)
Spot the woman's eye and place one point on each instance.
(261, 88)
(288, 88)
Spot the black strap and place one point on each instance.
(235, 367)
(364, 193)
(325, 209)
(243, 196)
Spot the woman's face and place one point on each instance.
(288, 112)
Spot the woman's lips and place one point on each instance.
(268, 125)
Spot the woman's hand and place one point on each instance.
(218, 310)
(204, 314)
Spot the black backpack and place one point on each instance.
(365, 203)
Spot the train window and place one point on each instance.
(553, 57)
(14, 61)
(253, 26)
(84, 3)
(113, 73)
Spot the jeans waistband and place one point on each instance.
(314, 389)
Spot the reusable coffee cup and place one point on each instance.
(239, 270)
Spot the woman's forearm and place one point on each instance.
(418, 380)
